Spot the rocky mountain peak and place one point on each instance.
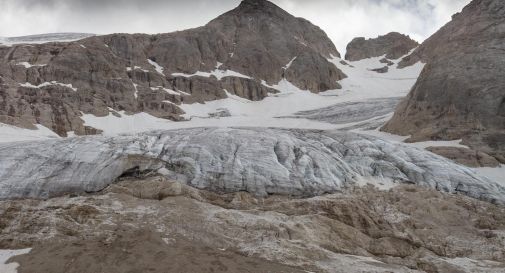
(257, 4)
(394, 45)
(248, 48)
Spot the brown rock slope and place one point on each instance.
(165, 226)
(461, 91)
(394, 45)
(51, 84)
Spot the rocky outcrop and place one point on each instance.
(403, 230)
(242, 51)
(461, 91)
(394, 45)
(259, 161)
(466, 156)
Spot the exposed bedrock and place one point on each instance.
(259, 161)
(393, 45)
(460, 94)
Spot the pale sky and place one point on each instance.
(342, 20)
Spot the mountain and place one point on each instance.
(460, 94)
(243, 52)
(393, 45)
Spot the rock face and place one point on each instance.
(466, 156)
(259, 161)
(407, 229)
(242, 51)
(461, 91)
(394, 45)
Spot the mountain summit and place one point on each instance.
(243, 52)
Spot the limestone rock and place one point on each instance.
(394, 45)
(461, 92)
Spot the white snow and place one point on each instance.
(28, 65)
(361, 84)
(9, 133)
(6, 255)
(136, 89)
(218, 73)
(81, 45)
(157, 67)
(494, 174)
(137, 68)
(290, 63)
(44, 84)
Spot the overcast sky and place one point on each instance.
(341, 19)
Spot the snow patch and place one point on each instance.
(218, 73)
(28, 65)
(6, 255)
(136, 94)
(157, 67)
(137, 68)
(9, 133)
(44, 84)
(494, 174)
(290, 63)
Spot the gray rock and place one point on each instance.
(461, 92)
(381, 70)
(386, 61)
(259, 161)
(394, 45)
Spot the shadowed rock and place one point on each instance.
(461, 91)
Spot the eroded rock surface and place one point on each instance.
(461, 92)
(166, 226)
(393, 45)
(260, 161)
(466, 156)
(241, 51)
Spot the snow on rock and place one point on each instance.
(258, 160)
(157, 67)
(28, 65)
(218, 73)
(44, 84)
(6, 255)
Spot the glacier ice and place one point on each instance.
(261, 161)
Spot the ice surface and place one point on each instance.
(258, 160)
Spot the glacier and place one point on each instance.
(261, 161)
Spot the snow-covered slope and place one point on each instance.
(362, 85)
(260, 161)
(44, 38)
